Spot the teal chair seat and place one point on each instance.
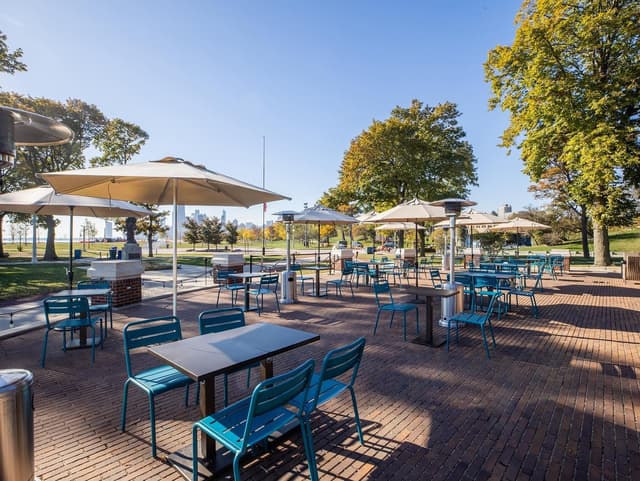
(344, 280)
(268, 285)
(385, 302)
(252, 420)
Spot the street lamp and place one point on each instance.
(288, 283)
(452, 209)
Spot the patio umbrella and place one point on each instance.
(414, 211)
(517, 225)
(474, 218)
(323, 215)
(44, 201)
(169, 181)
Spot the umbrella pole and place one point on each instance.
(175, 248)
(34, 247)
(70, 273)
(471, 237)
(318, 260)
(416, 261)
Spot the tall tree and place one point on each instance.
(211, 231)
(570, 84)
(418, 151)
(10, 61)
(84, 119)
(119, 142)
(192, 231)
(232, 234)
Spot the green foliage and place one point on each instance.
(211, 231)
(192, 231)
(10, 61)
(232, 233)
(570, 84)
(418, 151)
(118, 141)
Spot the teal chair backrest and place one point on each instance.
(218, 320)
(70, 307)
(383, 293)
(148, 332)
(276, 392)
(269, 281)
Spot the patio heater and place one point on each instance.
(288, 279)
(452, 209)
(19, 127)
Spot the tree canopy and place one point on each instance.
(419, 151)
(570, 84)
(10, 61)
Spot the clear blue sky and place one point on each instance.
(208, 79)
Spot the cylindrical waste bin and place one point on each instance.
(289, 295)
(452, 305)
(16, 425)
(77, 253)
(113, 251)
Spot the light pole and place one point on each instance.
(452, 209)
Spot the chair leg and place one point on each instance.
(493, 338)
(484, 340)
(375, 327)
(356, 415)
(125, 396)
(194, 452)
(236, 466)
(93, 344)
(448, 330)
(275, 294)
(44, 347)
(152, 421)
(218, 298)
(307, 440)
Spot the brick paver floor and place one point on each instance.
(558, 400)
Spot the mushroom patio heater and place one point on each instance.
(452, 209)
(288, 280)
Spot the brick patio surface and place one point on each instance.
(558, 400)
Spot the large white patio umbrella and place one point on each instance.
(44, 201)
(474, 218)
(169, 181)
(321, 215)
(517, 225)
(414, 211)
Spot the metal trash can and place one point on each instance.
(289, 286)
(452, 305)
(16, 425)
(77, 253)
(113, 251)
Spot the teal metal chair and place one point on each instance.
(252, 420)
(67, 315)
(479, 319)
(156, 380)
(105, 306)
(344, 280)
(224, 282)
(268, 285)
(301, 278)
(529, 292)
(218, 320)
(337, 374)
(436, 278)
(385, 302)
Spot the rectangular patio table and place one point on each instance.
(82, 340)
(429, 293)
(246, 277)
(204, 357)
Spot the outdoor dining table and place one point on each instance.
(81, 342)
(429, 293)
(204, 357)
(317, 268)
(247, 277)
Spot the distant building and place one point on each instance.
(223, 217)
(504, 211)
(108, 229)
(181, 219)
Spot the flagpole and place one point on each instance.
(264, 205)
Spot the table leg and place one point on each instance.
(428, 339)
(208, 406)
(266, 367)
(247, 286)
(317, 283)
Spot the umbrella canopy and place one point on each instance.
(414, 211)
(517, 225)
(323, 215)
(398, 226)
(169, 181)
(44, 201)
(474, 218)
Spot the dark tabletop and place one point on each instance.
(212, 354)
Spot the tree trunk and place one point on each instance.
(50, 249)
(150, 242)
(584, 231)
(601, 252)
